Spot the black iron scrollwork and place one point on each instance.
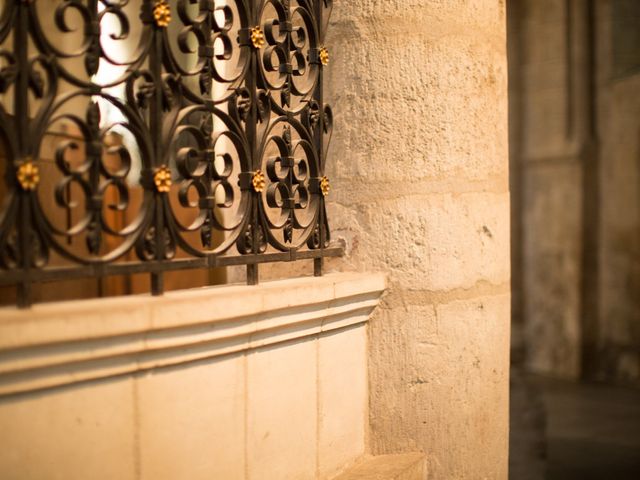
(137, 133)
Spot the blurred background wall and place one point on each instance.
(575, 180)
(574, 100)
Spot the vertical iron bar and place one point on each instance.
(94, 169)
(24, 287)
(253, 276)
(100, 285)
(317, 266)
(68, 213)
(21, 112)
(318, 94)
(20, 46)
(155, 126)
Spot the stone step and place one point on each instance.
(405, 466)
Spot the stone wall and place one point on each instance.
(419, 168)
(548, 148)
(618, 110)
(419, 171)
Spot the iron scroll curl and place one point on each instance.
(153, 135)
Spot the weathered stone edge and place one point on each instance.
(68, 342)
(401, 466)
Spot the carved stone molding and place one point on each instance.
(68, 342)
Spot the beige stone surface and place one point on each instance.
(282, 404)
(423, 228)
(61, 343)
(459, 392)
(213, 394)
(72, 433)
(407, 466)
(421, 191)
(192, 421)
(342, 391)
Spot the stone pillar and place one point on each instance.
(616, 341)
(420, 169)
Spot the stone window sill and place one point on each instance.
(62, 343)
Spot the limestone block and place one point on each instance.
(342, 420)
(410, 94)
(282, 411)
(420, 149)
(476, 383)
(192, 421)
(448, 363)
(434, 242)
(407, 466)
(72, 433)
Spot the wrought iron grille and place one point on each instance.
(142, 136)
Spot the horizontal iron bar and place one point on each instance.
(128, 268)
